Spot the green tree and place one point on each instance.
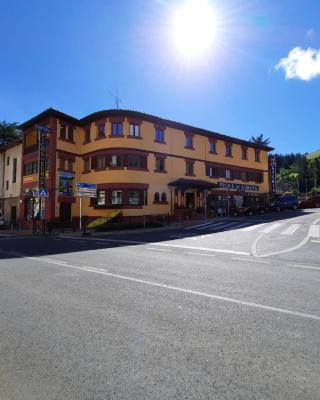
(260, 140)
(9, 132)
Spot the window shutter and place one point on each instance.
(144, 162)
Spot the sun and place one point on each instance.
(194, 27)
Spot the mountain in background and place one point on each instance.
(313, 155)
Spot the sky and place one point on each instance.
(260, 74)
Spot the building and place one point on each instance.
(142, 165)
(10, 181)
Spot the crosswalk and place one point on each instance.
(283, 228)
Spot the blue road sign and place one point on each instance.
(41, 128)
(86, 189)
(42, 193)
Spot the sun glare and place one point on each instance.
(194, 27)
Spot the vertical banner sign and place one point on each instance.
(273, 173)
(43, 132)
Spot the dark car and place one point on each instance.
(287, 202)
(310, 202)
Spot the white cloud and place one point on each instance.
(301, 64)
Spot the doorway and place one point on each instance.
(190, 200)
(13, 217)
(65, 212)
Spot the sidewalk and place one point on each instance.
(173, 225)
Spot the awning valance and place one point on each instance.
(192, 184)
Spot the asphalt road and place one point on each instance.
(224, 309)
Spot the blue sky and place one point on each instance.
(69, 54)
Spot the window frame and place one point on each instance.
(112, 197)
(159, 136)
(14, 170)
(228, 173)
(228, 149)
(117, 132)
(135, 127)
(137, 157)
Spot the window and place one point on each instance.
(244, 176)
(228, 150)
(116, 161)
(34, 167)
(8, 160)
(212, 172)
(134, 161)
(61, 164)
(189, 142)
(101, 162)
(163, 197)
(86, 164)
(70, 165)
(189, 168)
(101, 131)
(87, 135)
(14, 171)
(159, 135)
(228, 174)
(117, 129)
(244, 153)
(7, 185)
(116, 197)
(30, 168)
(156, 197)
(101, 200)
(134, 197)
(160, 164)
(62, 132)
(257, 155)
(70, 133)
(213, 147)
(134, 130)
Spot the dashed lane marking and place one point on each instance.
(303, 266)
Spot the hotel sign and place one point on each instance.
(238, 186)
(273, 174)
(42, 135)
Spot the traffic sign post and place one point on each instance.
(85, 190)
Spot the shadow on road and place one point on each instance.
(35, 246)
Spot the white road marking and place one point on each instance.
(245, 253)
(252, 227)
(197, 226)
(201, 254)
(270, 228)
(314, 231)
(182, 290)
(251, 260)
(303, 266)
(153, 249)
(225, 226)
(316, 221)
(315, 241)
(291, 229)
(214, 225)
(51, 259)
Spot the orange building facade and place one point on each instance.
(142, 165)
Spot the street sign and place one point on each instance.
(42, 193)
(86, 189)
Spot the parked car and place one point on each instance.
(285, 202)
(238, 212)
(261, 209)
(1, 220)
(310, 202)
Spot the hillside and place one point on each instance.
(313, 155)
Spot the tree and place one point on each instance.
(9, 132)
(260, 140)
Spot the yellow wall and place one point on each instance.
(158, 182)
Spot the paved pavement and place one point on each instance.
(225, 309)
